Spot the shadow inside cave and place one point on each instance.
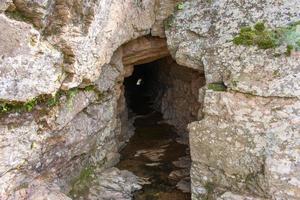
(153, 152)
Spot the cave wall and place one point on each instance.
(179, 98)
(247, 145)
(61, 73)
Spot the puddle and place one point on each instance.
(152, 154)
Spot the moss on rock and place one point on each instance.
(262, 37)
(218, 87)
(46, 100)
(81, 184)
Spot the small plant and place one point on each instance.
(81, 184)
(70, 96)
(276, 73)
(180, 6)
(90, 88)
(46, 100)
(6, 107)
(218, 87)
(258, 36)
(168, 23)
(209, 186)
(32, 103)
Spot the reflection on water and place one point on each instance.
(151, 153)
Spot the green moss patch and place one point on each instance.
(45, 100)
(219, 87)
(264, 38)
(180, 6)
(7, 107)
(168, 23)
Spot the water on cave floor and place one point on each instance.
(150, 154)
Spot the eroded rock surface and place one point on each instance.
(114, 184)
(29, 66)
(248, 140)
(245, 147)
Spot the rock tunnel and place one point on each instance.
(162, 98)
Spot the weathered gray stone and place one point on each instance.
(258, 72)
(234, 146)
(231, 196)
(241, 143)
(35, 11)
(247, 145)
(29, 67)
(4, 4)
(202, 30)
(180, 91)
(114, 184)
(91, 46)
(163, 10)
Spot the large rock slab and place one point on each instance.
(29, 67)
(248, 143)
(32, 149)
(104, 27)
(200, 36)
(163, 10)
(114, 184)
(254, 71)
(144, 50)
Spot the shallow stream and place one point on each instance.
(154, 155)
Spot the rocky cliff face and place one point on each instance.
(248, 142)
(63, 113)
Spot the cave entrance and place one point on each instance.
(142, 87)
(162, 100)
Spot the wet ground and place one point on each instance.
(151, 153)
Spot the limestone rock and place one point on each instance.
(184, 185)
(241, 142)
(200, 36)
(241, 131)
(32, 188)
(30, 147)
(163, 10)
(232, 196)
(114, 184)
(4, 4)
(36, 11)
(144, 50)
(255, 71)
(19, 142)
(29, 66)
(185, 32)
(111, 74)
(90, 44)
(179, 101)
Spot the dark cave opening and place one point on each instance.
(141, 88)
(161, 99)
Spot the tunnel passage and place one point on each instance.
(169, 88)
(162, 97)
(142, 87)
